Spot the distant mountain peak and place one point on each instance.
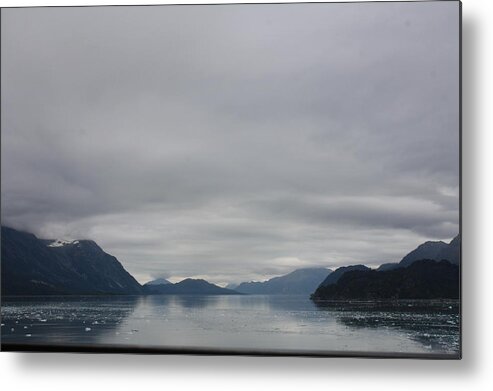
(435, 250)
(188, 286)
(299, 281)
(188, 279)
(158, 281)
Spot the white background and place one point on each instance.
(475, 371)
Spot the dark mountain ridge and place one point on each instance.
(435, 250)
(423, 279)
(32, 266)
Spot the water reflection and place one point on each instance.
(185, 301)
(253, 322)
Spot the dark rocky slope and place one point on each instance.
(424, 279)
(31, 266)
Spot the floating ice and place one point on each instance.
(87, 329)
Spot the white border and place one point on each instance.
(475, 372)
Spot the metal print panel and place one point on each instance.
(271, 179)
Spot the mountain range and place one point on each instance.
(300, 281)
(189, 286)
(32, 266)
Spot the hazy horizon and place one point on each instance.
(233, 142)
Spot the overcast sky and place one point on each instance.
(233, 142)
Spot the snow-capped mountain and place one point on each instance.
(32, 266)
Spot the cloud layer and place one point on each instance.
(233, 142)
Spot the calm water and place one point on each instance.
(276, 323)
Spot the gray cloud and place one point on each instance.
(233, 142)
